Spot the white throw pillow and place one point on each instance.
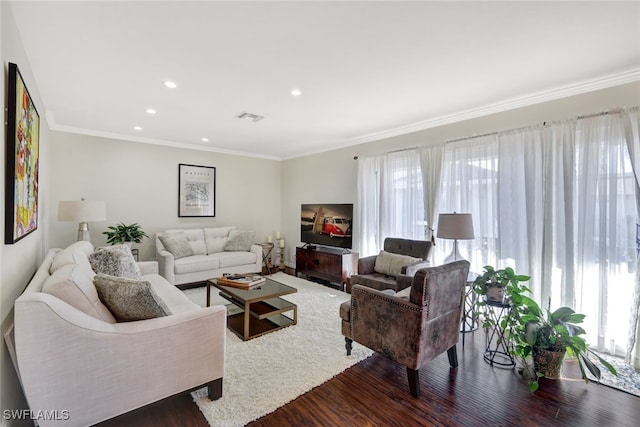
(70, 254)
(177, 244)
(73, 284)
(391, 264)
(239, 240)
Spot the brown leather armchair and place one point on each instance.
(368, 276)
(412, 326)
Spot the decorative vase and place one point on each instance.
(548, 362)
(495, 293)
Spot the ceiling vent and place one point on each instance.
(249, 116)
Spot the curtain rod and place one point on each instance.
(601, 113)
(448, 141)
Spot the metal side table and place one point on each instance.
(498, 350)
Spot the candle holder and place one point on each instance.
(282, 266)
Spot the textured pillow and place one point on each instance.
(239, 241)
(391, 264)
(115, 260)
(129, 300)
(177, 244)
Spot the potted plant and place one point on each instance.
(495, 284)
(544, 337)
(126, 234)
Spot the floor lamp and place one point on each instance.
(82, 211)
(455, 226)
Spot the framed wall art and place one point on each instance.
(197, 191)
(22, 157)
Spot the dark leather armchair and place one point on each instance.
(368, 276)
(412, 326)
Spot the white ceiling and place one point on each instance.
(366, 70)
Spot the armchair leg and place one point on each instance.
(215, 389)
(413, 375)
(348, 345)
(453, 357)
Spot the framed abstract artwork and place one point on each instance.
(197, 190)
(22, 157)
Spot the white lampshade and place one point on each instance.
(457, 226)
(82, 211)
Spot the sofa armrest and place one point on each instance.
(148, 267)
(123, 366)
(166, 263)
(403, 281)
(366, 264)
(410, 269)
(257, 250)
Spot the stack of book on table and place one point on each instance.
(242, 281)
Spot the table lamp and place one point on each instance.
(82, 211)
(456, 226)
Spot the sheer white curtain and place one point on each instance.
(431, 169)
(369, 194)
(390, 197)
(469, 177)
(605, 221)
(556, 203)
(632, 136)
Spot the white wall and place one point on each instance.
(139, 183)
(332, 177)
(19, 261)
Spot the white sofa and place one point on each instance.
(209, 257)
(73, 357)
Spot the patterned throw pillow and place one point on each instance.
(391, 264)
(239, 241)
(115, 260)
(129, 300)
(177, 244)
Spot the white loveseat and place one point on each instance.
(208, 257)
(72, 356)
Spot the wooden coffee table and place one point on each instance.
(261, 308)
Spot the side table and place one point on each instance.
(266, 255)
(469, 322)
(498, 351)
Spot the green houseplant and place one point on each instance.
(498, 284)
(539, 339)
(542, 337)
(122, 233)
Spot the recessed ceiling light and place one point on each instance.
(150, 111)
(296, 92)
(205, 139)
(137, 128)
(170, 84)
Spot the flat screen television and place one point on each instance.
(326, 224)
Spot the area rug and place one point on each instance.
(628, 379)
(268, 372)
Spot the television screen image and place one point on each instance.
(326, 224)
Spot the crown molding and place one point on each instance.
(109, 135)
(628, 76)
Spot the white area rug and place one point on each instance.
(267, 372)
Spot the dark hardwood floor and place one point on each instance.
(375, 393)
